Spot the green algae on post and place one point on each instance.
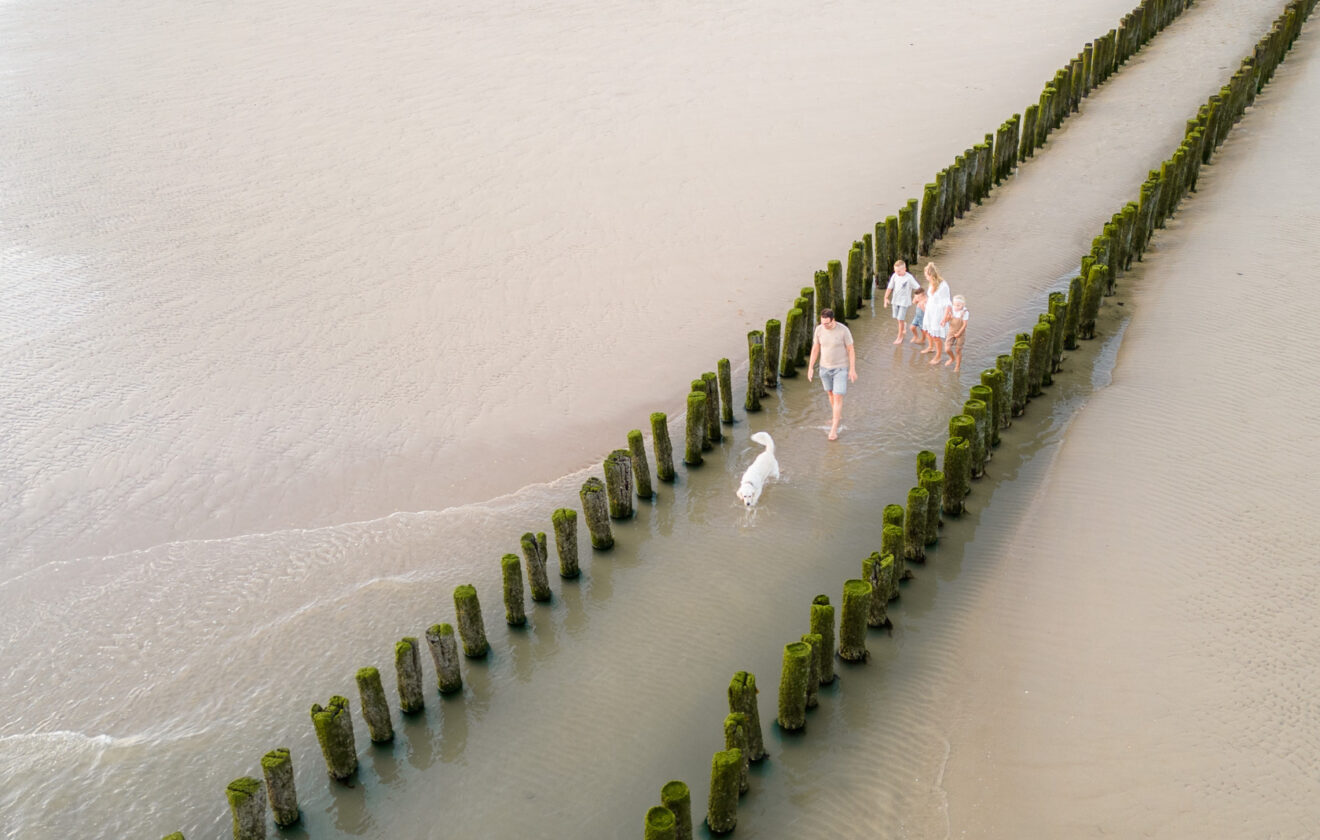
(926, 460)
(277, 768)
(722, 806)
(773, 333)
(1004, 364)
(891, 545)
(824, 294)
(979, 412)
(792, 339)
(619, 483)
(538, 558)
(471, 629)
(699, 387)
(893, 246)
(596, 510)
(660, 824)
(641, 476)
(992, 382)
(914, 526)
(957, 473)
(1096, 281)
(735, 738)
(1072, 314)
(695, 435)
(711, 380)
(408, 669)
(880, 576)
(247, 807)
(932, 481)
(334, 732)
(1059, 319)
(724, 373)
(755, 371)
(664, 449)
(813, 680)
(514, 614)
(852, 622)
(742, 698)
(375, 708)
(822, 624)
(565, 523)
(852, 284)
(677, 797)
(444, 653)
(907, 231)
(868, 265)
(1021, 363)
(793, 679)
(178, 835)
(834, 269)
(929, 201)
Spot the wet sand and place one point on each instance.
(1144, 658)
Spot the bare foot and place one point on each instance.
(949, 362)
(927, 350)
(934, 361)
(898, 340)
(834, 435)
(955, 367)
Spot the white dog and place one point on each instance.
(765, 466)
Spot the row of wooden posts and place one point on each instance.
(1003, 394)
(907, 530)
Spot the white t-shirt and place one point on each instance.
(834, 344)
(901, 287)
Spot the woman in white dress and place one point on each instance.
(938, 302)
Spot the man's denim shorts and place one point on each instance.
(834, 379)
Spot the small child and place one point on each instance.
(957, 338)
(898, 294)
(919, 304)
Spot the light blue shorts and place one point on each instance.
(900, 311)
(834, 379)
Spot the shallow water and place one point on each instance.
(234, 494)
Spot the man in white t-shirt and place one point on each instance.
(832, 343)
(898, 294)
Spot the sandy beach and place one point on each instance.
(202, 550)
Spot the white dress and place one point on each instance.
(936, 305)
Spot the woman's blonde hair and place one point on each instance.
(933, 274)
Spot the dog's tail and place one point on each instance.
(765, 440)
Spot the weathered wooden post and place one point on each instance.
(893, 245)
(834, 268)
(926, 460)
(793, 686)
(724, 373)
(565, 522)
(978, 411)
(957, 469)
(914, 525)
(932, 481)
(444, 653)
(695, 438)
(641, 470)
(813, 679)
(514, 615)
(534, 552)
(985, 393)
(792, 339)
(277, 768)
(1038, 363)
(824, 296)
(742, 699)
(1092, 291)
(755, 371)
(773, 335)
(993, 381)
(822, 624)
(375, 708)
(852, 623)
(619, 483)
(659, 824)
(676, 796)
(1004, 364)
(879, 573)
(247, 806)
(809, 321)
(595, 508)
(699, 387)
(891, 542)
(852, 286)
(471, 629)
(1021, 364)
(664, 450)
(722, 807)
(929, 219)
(868, 265)
(735, 738)
(907, 231)
(334, 732)
(713, 433)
